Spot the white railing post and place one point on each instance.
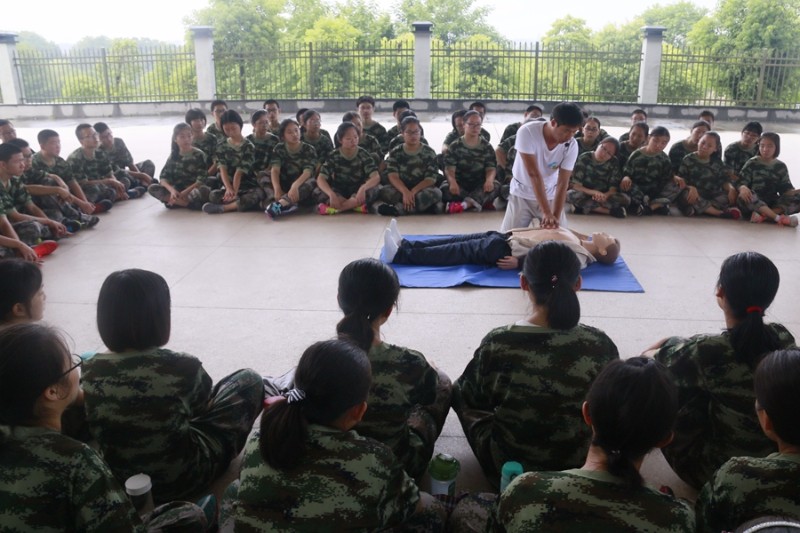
(10, 84)
(650, 68)
(203, 37)
(422, 59)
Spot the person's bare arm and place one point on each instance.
(561, 193)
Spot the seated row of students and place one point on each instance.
(45, 197)
(306, 459)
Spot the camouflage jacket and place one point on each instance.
(188, 169)
(598, 176)
(263, 151)
(767, 180)
(736, 156)
(650, 173)
(83, 168)
(346, 175)
(413, 168)
(234, 158)
(119, 156)
(708, 176)
(470, 164)
(60, 167)
(293, 164)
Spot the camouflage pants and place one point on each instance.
(665, 196)
(54, 207)
(702, 204)
(247, 200)
(31, 232)
(148, 167)
(471, 514)
(587, 203)
(97, 191)
(478, 194)
(320, 197)
(423, 200)
(426, 423)
(786, 204)
(305, 190)
(176, 516)
(197, 196)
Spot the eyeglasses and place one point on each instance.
(76, 363)
(271, 109)
(603, 147)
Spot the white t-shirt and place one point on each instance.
(530, 140)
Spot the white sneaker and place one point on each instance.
(396, 235)
(390, 246)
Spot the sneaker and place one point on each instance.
(324, 209)
(618, 212)
(577, 210)
(454, 207)
(102, 206)
(663, 210)
(91, 221)
(756, 218)
(273, 210)
(73, 226)
(213, 209)
(688, 211)
(732, 213)
(473, 204)
(489, 206)
(134, 193)
(786, 220)
(388, 210)
(362, 209)
(288, 209)
(45, 248)
(141, 190)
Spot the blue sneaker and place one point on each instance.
(273, 210)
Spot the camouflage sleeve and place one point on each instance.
(451, 159)
(579, 171)
(276, 158)
(392, 165)
(201, 391)
(425, 380)
(104, 167)
(310, 158)
(168, 171)
(489, 157)
(746, 174)
(631, 167)
(247, 158)
(327, 168)
(124, 156)
(368, 163)
(784, 184)
(713, 509)
(729, 156)
(474, 391)
(679, 355)
(399, 496)
(432, 172)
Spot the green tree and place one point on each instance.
(748, 37)
(93, 43)
(254, 24)
(453, 20)
(37, 58)
(679, 19)
(569, 32)
(301, 15)
(365, 15)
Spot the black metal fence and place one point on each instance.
(475, 68)
(125, 74)
(317, 70)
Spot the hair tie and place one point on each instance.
(755, 309)
(554, 280)
(294, 395)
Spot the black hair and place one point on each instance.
(342, 130)
(400, 104)
(567, 114)
(309, 113)
(7, 150)
(754, 126)
(594, 119)
(19, 143)
(19, 282)
(475, 104)
(256, 115)
(534, 106)
(639, 111)
(133, 310)
(4, 122)
(45, 135)
(409, 120)
(285, 123)
(32, 357)
(194, 114)
(718, 152)
(367, 289)
(457, 114)
(271, 101)
(350, 115)
(777, 386)
(231, 115)
(612, 141)
(706, 113)
(659, 131)
(642, 126)
(79, 127)
(701, 124)
(100, 127)
(335, 375)
(552, 269)
(175, 151)
(750, 282)
(472, 113)
(300, 113)
(776, 140)
(633, 405)
(366, 99)
(215, 103)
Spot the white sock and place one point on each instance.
(471, 202)
(390, 246)
(396, 235)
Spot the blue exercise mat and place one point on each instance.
(596, 277)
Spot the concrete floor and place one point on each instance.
(250, 292)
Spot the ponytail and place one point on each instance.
(552, 270)
(331, 377)
(367, 289)
(633, 405)
(749, 282)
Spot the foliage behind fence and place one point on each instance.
(477, 67)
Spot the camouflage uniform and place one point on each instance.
(520, 397)
(344, 482)
(584, 500)
(156, 412)
(263, 152)
(15, 197)
(676, 154)
(625, 151)
(52, 483)
(407, 405)
(470, 165)
(652, 177)
(345, 176)
(601, 177)
(121, 159)
(188, 169)
(398, 140)
(451, 137)
(292, 165)
(322, 147)
(208, 144)
(373, 148)
(235, 158)
(54, 207)
(393, 132)
(709, 177)
(412, 170)
(583, 147)
(510, 131)
(769, 183)
(505, 174)
(716, 419)
(212, 129)
(377, 130)
(736, 156)
(87, 171)
(746, 488)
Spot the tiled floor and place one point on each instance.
(250, 292)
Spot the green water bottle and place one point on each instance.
(444, 470)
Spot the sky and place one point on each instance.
(159, 19)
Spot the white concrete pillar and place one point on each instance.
(422, 59)
(203, 37)
(650, 68)
(10, 84)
